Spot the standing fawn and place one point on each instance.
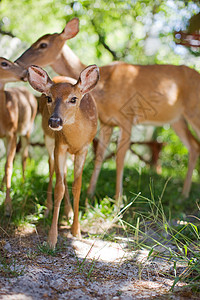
(17, 113)
(69, 121)
(128, 95)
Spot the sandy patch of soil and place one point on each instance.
(82, 269)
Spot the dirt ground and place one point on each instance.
(81, 269)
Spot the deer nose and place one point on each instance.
(55, 123)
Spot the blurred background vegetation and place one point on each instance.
(134, 31)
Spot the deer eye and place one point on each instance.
(49, 100)
(4, 64)
(43, 45)
(73, 100)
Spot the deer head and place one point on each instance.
(47, 48)
(63, 98)
(10, 71)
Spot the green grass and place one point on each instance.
(154, 232)
(9, 266)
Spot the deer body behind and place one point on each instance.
(144, 94)
(69, 121)
(18, 108)
(127, 95)
(15, 114)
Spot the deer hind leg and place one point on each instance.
(194, 121)
(11, 150)
(25, 144)
(60, 161)
(76, 190)
(123, 145)
(182, 130)
(104, 138)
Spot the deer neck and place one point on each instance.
(68, 135)
(68, 64)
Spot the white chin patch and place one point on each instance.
(56, 129)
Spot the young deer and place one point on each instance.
(127, 95)
(17, 113)
(69, 121)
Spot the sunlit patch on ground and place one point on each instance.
(100, 250)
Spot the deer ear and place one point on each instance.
(71, 29)
(88, 79)
(39, 79)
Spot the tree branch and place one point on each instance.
(3, 32)
(102, 41)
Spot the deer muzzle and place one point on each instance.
(55, 123)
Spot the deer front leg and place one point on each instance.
(11, 149)
(50, 144)
(49, 202)
(104, 138)
(76, 190)
(123, 145)
(25, 144)
(60, 160)
(68, 207)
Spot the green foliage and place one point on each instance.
(132, 31)
(174, 156)
(28, 198)
(45, 249)
(176, 242)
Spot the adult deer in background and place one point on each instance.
(128, 95)
(69, 121)
(17, 112)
